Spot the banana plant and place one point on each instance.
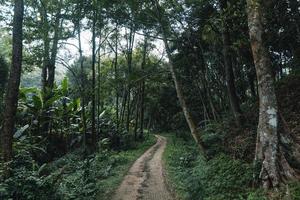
(64, 114)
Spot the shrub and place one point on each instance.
(219, 178)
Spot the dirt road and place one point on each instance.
(145, 179)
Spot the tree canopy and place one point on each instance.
(99, 76)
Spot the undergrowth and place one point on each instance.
(219, 178)
(72, 176)
(222, 176)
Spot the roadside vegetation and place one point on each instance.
(73, 176)
(84, 84)
(228, 171)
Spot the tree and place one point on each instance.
(3, 79)
(275, 169)
(186, 111)
(11, 98)
(142, 106)
(82, 83)
(93, 111)
(50, 54)
(230, 82)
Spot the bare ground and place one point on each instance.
(145, 179)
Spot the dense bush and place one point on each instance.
(72, 176)
(26, 181)
(219, 178)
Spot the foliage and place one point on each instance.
(64, 117)
(26, 182)
(72, 176)
(295, 190)
(195, 178)
(126, 82)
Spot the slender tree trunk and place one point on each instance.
(188, 116)
(129, 63)
(93, 111)
(205, 110)
(137, 113)
(274, 167)
(204, 81)
(51, 67)
(294, 6)
(98, 85)
(11, 98)
(231, 89)
(82, 88)
(123, 108)
(48, 72)
(117, 77)
(142, 110)
(46, 42)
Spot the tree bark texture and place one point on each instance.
(11, 98)
(275, 169)
(93, 111)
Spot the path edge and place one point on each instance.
(167, 181)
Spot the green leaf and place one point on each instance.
(19, 132)
(64, 85)
(50, 101)
(102, 114)
(37, 101)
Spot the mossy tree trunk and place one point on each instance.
(275, 169)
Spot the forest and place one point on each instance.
(150, 99)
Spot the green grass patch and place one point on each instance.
(108, 185)
(193, 178)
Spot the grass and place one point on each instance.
(110, 184)
(171, 156)
(98, 176)
(193, 178)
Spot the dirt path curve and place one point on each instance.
(145, 179)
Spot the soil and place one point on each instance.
(145, 179)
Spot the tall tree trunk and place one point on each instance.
(11, 98)
(51, 66)
(294, 6)
(203, 77)
(231, 89)
(46, 43)
(93, 111)
(274, 167)
(123, 108)
(129, 63)
(205, 110)
(50, 54)
(188, 115)
(82, 88)
(117, 77)
(99, 83)
(48, 71)
(137, 112)
(142, 110)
